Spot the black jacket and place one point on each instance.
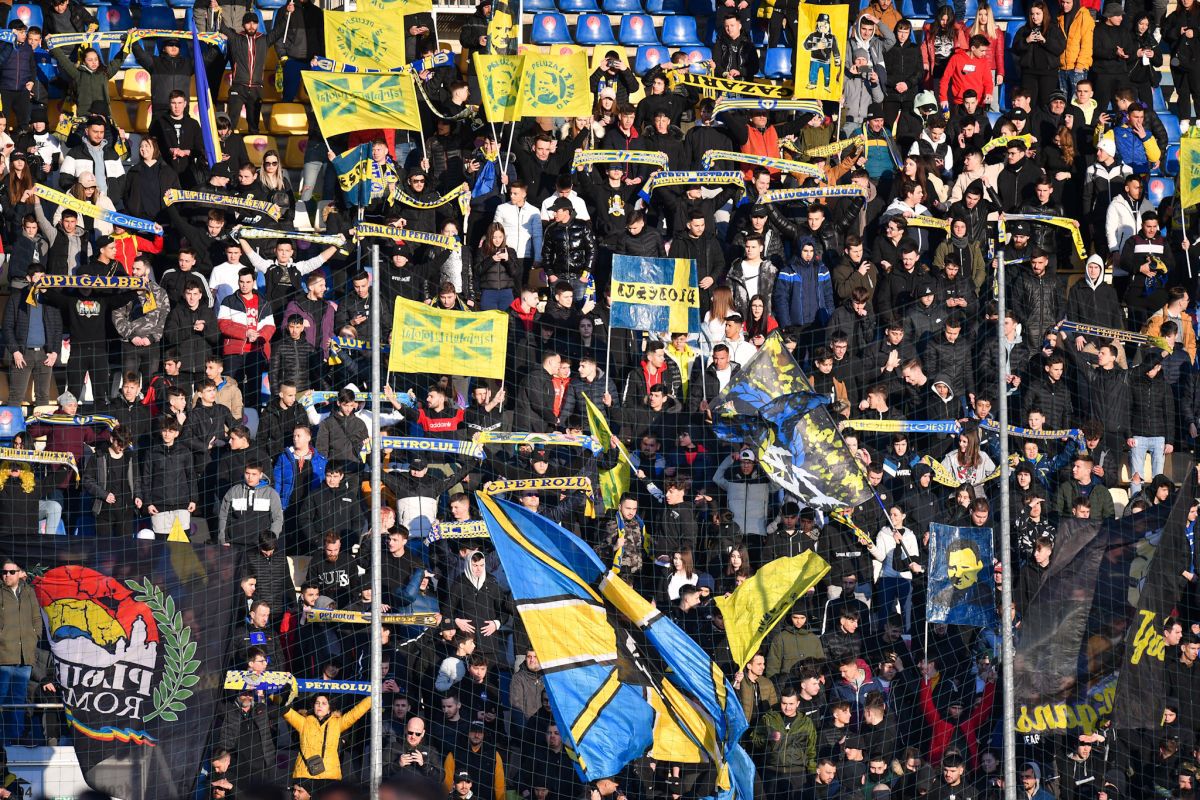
(16, 325)
(166, 477)
(535, 403)
(568, 249)
(1153, 405)
(735, 54)
(193, 347)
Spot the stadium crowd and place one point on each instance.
(855, 695)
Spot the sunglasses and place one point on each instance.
(11, 571)
(270, 163)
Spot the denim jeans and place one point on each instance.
(1067, 78)
(14, 685)
(1155, 446)
(889, 591)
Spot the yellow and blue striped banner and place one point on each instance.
(588, 158)
(115, 218)
(444, 342)
(660, 295)
(349, 102)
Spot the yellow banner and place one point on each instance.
(821, 57)
(370, 38)
(442, 342)
(499, 83)
(346, 102)
(730, 85)
(1189, 168)
(755, 607)
(554, 86)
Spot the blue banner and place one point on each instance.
(962, 589)
(660, 295)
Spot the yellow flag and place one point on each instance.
(555, 86)
(499, 80)
(757, 605)
(177, 533)
(1189, 168)
(370, 38)
(354, 102)
(614, 482)
(821, 56)
(441, 342)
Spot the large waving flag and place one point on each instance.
(363, 101)
(555, 86)
(659, 295)
(369, 38)
(614, 482)
(575, 607)
(757, 606)
(499, 84)
(442, 342)
(962, 589)
(354, 174)
(204, 106)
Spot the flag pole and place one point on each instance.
(608, 354)
(377, 530)
(1006, 578)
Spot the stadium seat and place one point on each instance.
(918, 8)
(185, 4)
(271, 4)
(696, 56)
(135, 85)
(758, 36)
(680, 31)
(537, 5)
(141, 118)
(622, 7)
(293, 155)
(778, 63)
(1008, 9)
(114, 18)
(972, 10)
(1171, 161)
(638, 29)
(1158, 189)
(649, 57)
(578, 6)
(120, 116)
(28, 13)
(288, 118)
(257, 145)
(1171, 123)
(594, 29)
(666, 7)
(1010, 36)
(158, 17)
(1160, 102)
(47, 68)
(550, 28)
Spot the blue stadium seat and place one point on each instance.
(622, 6)
(594, 29)
(47, 67)
(918, 8)
(1171, 161)
(1158, 189)
(778, 63)
(1160, 102)
(666, 7)
(114, 18)
(28, 13)
(697, 56)
(637, 29)
(538, 5)
(1010, 36)
(1008, 9)
(649, 57)
(758, 36)
(550, 27)
(972, 9)
(185, 4)
(271, 4)
(680, 32)
(1171, 123)
(158, 17)
(918, 28)
(578, 6)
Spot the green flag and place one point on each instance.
(613, 482)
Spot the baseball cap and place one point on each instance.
(462, 776)
(418, 463)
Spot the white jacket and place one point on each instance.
(523, 229)
(1122, 221)
(747, 501)
(885, 543)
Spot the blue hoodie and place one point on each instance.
(803, 291)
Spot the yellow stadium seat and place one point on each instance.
(120, 116)
(522, 49)
(222, 90)
(288, 118)
(135, 85)
(293, 155)
(141, 120)
(257, 146)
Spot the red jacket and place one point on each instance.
(961, 42)
(943, 731)
(964, 72)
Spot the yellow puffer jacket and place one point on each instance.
(316, 736)
(1078, 53)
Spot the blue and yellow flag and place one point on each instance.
(614, 482)
(443, 342)
(204, 106)
(757, 606)
(660, 295)
(355, 102)
(354, 174)
(370, 38)
(1189, 168)
(499, 85)
(649, 676)
(555, 86)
